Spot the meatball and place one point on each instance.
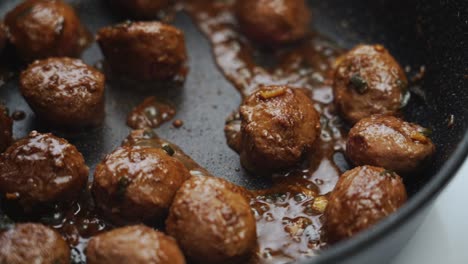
(133, 244)
(141, 9)
(42, 169)
(45, 28)
(273, 22)
(33, 243)
(143, 50)
(362, 197)
(389, 142)
(212, 221)
(135, 184)
(368, 80)
(64, 92)
(278, 125)
(6, 125)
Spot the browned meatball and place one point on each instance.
(33, 243)
(389, 142)
(362, 197)
(6, 125)
(143, 50)
(212, 221)
(368, 80)
(42, 169)
(133, 244)
(141, 9)
(273, 22)
(45, 28)
(279, 124)
(64, 91)
(135, 184)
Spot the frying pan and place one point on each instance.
(433, 33)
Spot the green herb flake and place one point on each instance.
(426, 132)
(388, 173)
(6, 111)
(122, 186)
(169, 150)
(6, 223)
(358, 83)
(402, 84)
(405, 99)
(300, 197)
(148, 133)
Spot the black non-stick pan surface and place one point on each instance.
(433, 33)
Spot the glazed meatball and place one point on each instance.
(135, 184)
(273, 22)
(389, 142)
(42, 169)
(6, 125)
(362, 197)
(212, 221)
(64, 92)
(33, 243)
(278, 125)
(143, 50)
(45, 28)
(133, 244)
(367, 81)
(141, 9)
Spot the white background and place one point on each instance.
(443, 237)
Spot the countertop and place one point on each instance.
(443, 237)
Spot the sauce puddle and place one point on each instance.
(151, 113)
(289, 215)
(80, 221)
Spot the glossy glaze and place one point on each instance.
(368, 80)
(133, 244)
(135, 183)
(292, 209)
(41, 28)
(307, 65)
(278, 126)
(64, 91)
(40, 170)
(391, 143)
(212, 221)
(362, 197)
(144, 50)
(151, 113)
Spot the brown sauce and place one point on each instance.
(178, 123)
(151, 113)
(148, 138)
(289, 215)
(80, 221)
(77, 224)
